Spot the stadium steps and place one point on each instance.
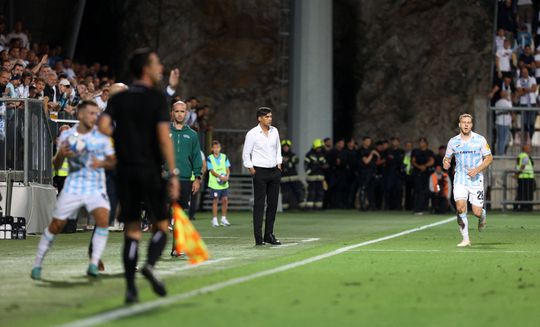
(240, 193)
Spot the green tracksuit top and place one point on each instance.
(187, 152)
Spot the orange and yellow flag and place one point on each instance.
(186, 237)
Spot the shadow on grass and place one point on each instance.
(80, 281)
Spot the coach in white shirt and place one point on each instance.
(262, 156)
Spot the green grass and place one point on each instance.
(419, 279)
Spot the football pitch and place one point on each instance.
(335, 268)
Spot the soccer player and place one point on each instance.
(89, 152)
(473, 156)
(218, 181)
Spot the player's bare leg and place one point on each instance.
(463, 223)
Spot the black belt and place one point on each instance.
(264, 168)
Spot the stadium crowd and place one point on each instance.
(517, 72)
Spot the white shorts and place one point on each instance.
(475, 194)
(68, 205)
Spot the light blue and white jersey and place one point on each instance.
(82, 179)
(469, 154)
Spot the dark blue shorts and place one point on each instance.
(219, 194)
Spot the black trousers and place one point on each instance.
(266, 183)
(393, 192)
(409, 192)
(525, 192)
(293, 194)
(185, 195)
(421, 191)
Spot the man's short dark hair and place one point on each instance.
(366, 137)
(216, 142)
(138, 59)
(423, 139)
(86, 103)
(18, 64)
(263, 111)
(394, 138)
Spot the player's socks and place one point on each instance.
(482, 221)
(99, 241)
(130, 256)
(44, 244)
(463, 226)
(156, 246)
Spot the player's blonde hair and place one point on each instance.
(465, 116)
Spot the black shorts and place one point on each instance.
(135, 186)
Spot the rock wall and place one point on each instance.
(228, 52)
(418, 64)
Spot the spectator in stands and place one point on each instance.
(507, 85)
(338, 184)
(27, 79)
(3, 38)
(6, 65)
(524, 38)
(526, 59)
(16, 84)
(507, 18)
(503, 60)
(4, 55)
(503, 123)
(17, 69)
(40, 88)
(499, 39)
(51, 90)
(526, 89)
(18, 33)
(68, 99)
(103, 97)
(68, 70)
(4, 80)
(422, 160)
(525, 13)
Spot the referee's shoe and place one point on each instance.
(157, 285)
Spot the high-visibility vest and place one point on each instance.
(63, 171)
(528, 170)
(220, 169)
(408, 164)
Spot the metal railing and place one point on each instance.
(26, 142)
(518, 129)
(522, 196)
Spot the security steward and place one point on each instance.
(525, 176)
(292, 188)
(314, 165)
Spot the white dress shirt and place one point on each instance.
(261, 150)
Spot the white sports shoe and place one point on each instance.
(464, 244)
(225, 222)
(482, 222)
(215, 222)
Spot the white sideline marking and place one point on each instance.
(189, 267)
(445, 251)
(147, 306)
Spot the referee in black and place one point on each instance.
(141, 118)
(262, 156)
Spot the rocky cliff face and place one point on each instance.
(228, 51)
(417, 64)
(401, 67)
